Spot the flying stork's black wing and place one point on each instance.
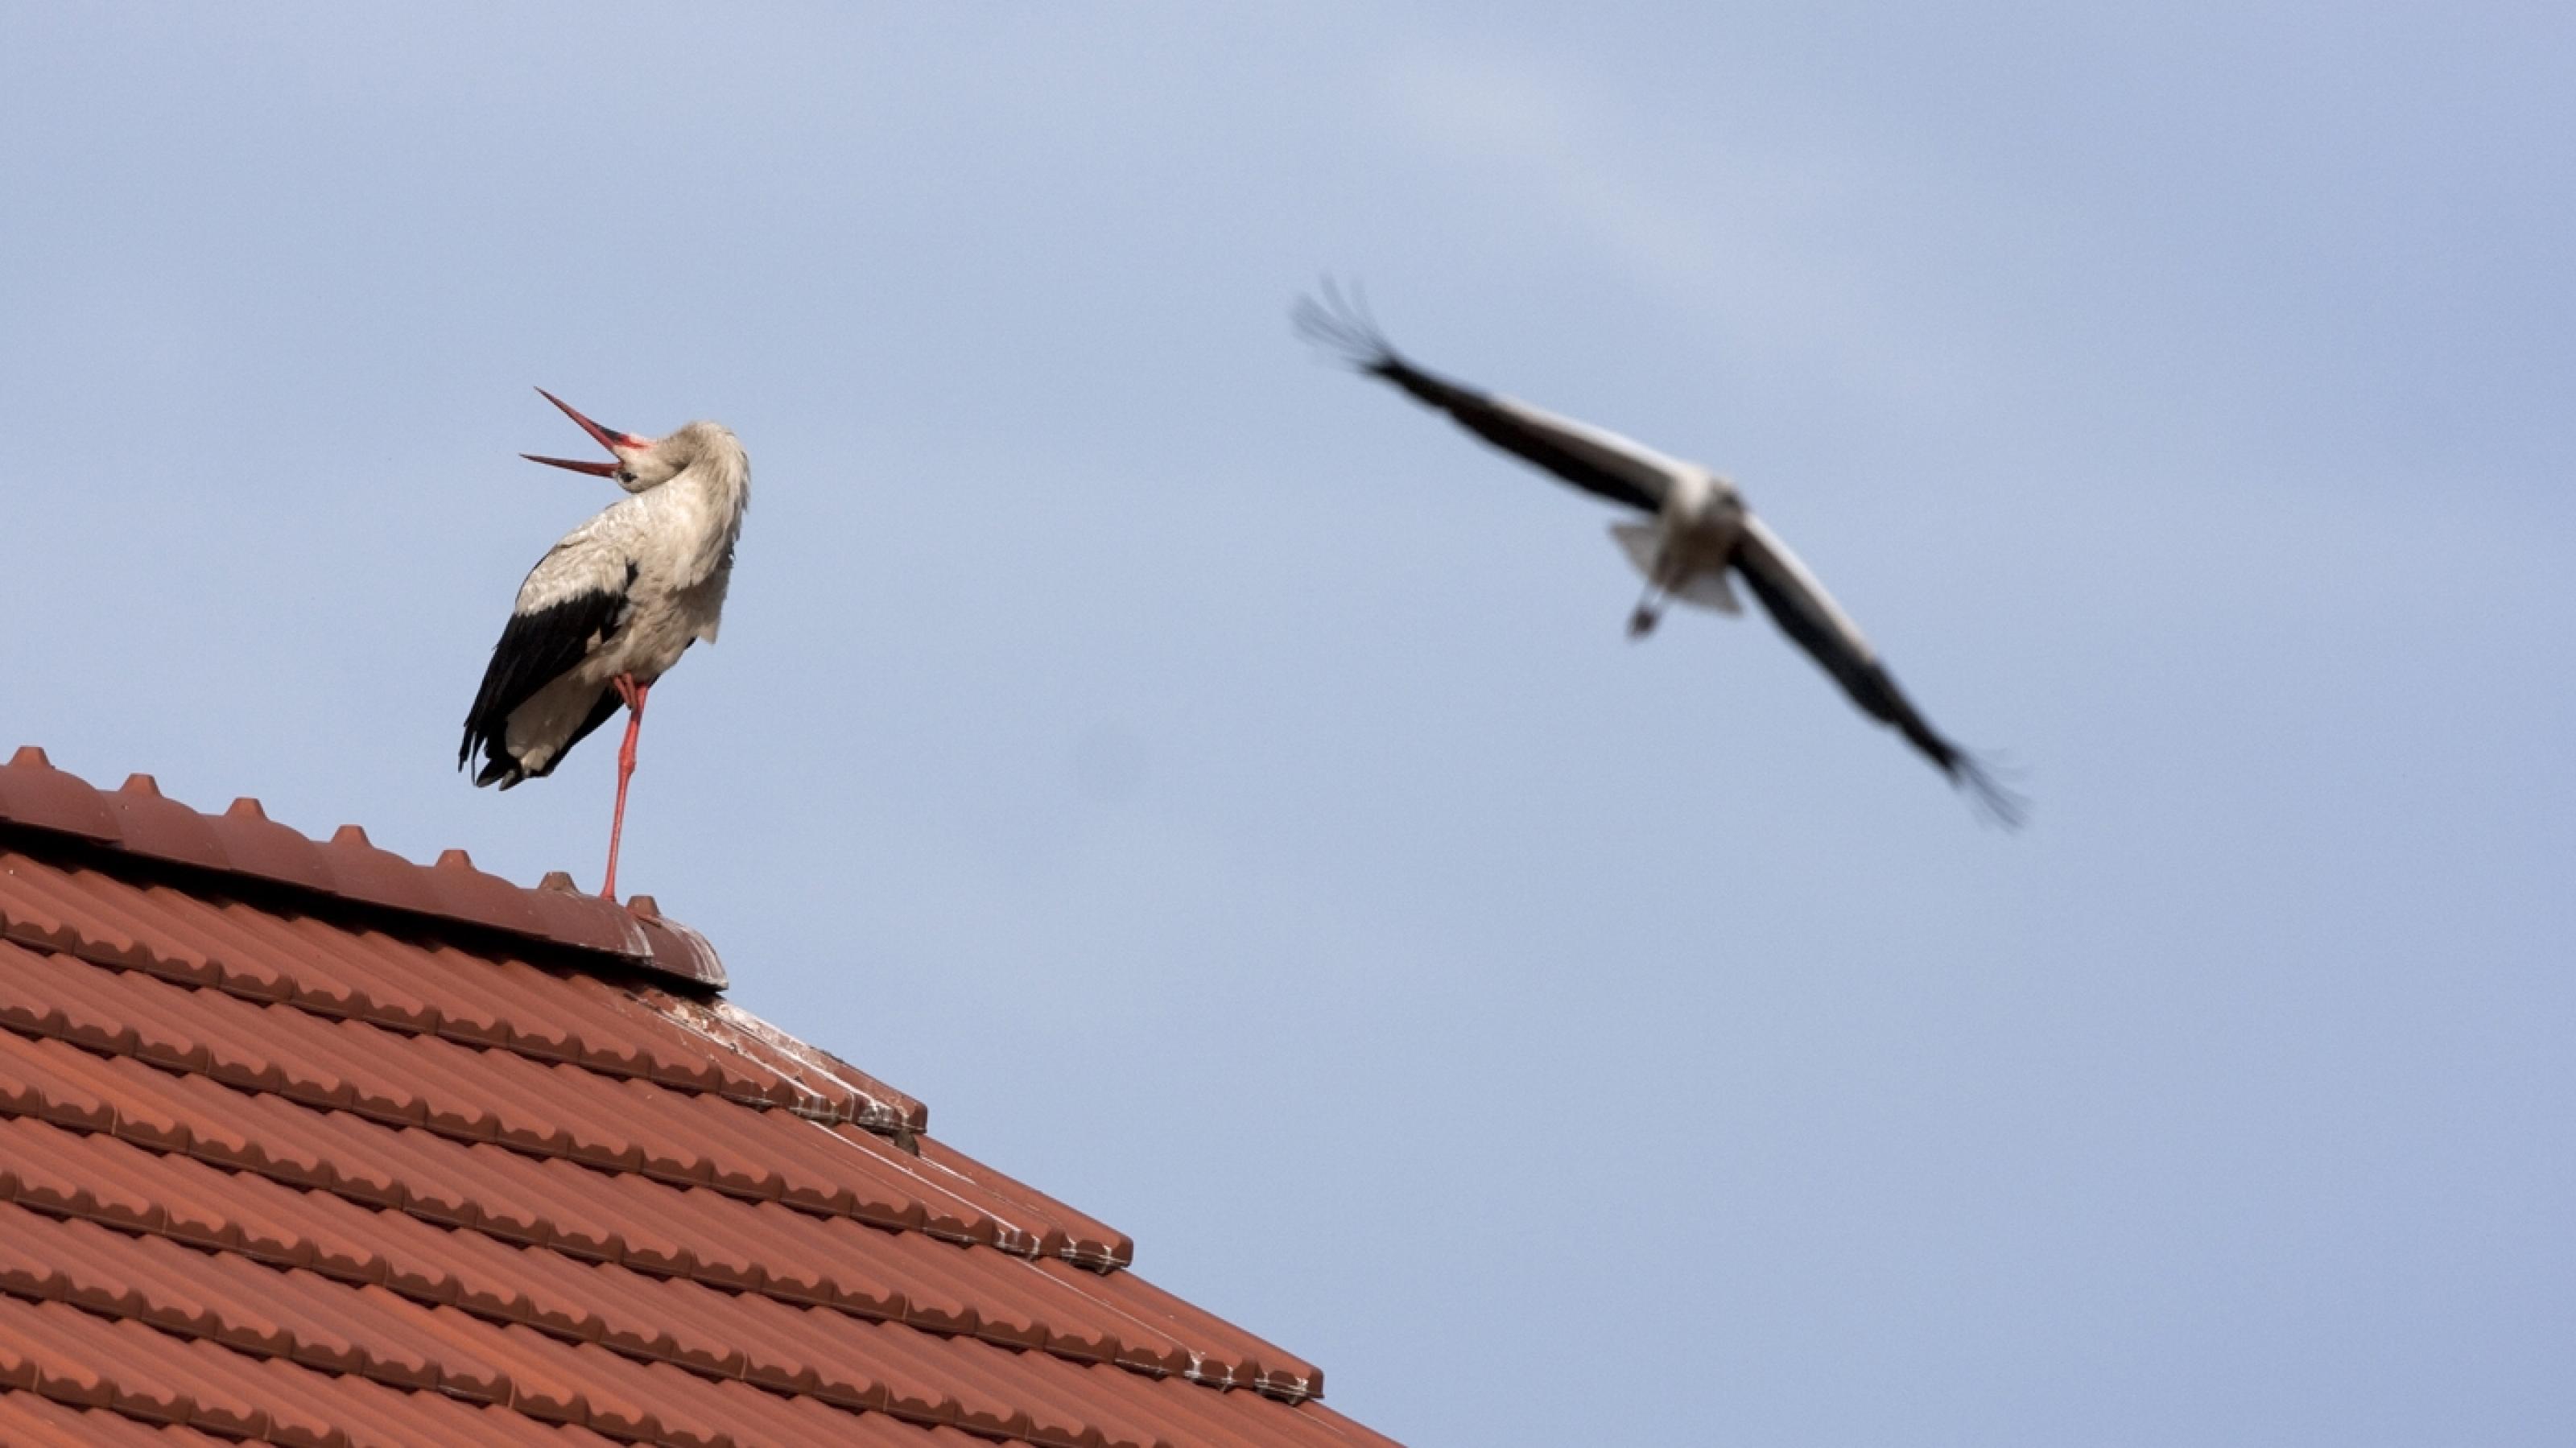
(1811, 618)
(1599, 462)
(572, 600)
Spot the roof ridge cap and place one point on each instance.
(137, 822)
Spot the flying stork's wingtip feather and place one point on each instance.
(1982, 779)
(1342, 325)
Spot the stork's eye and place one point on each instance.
(625, 475)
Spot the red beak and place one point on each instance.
(619, 443)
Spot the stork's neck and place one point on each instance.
(721, 479)
(698, 514)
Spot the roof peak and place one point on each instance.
(136, 822)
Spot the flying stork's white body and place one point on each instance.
(1699, 516)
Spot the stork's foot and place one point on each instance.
(1642, 622)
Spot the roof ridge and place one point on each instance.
(137, 822)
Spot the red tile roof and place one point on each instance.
(303, 1142)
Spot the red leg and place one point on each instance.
(633, 693)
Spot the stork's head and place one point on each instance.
(642, 462)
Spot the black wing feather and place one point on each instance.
(1479, 414)
(1345, 328)
(535, 649)
(1871, 687)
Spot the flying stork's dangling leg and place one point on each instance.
(1649, 609)
(633, 693)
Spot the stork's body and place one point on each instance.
(611, 608)
(1698, 531)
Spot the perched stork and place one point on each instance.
(612, 607)
(1699, 531)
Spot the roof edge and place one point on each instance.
(138, 822)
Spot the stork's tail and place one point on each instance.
(497, 767)
(1704, 588)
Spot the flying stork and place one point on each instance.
(1699, 530)
(612, 607)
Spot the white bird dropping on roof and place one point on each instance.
(1699, 530)
(611, 608)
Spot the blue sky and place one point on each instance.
(1223, 791)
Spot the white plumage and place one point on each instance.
(1697, 531)
(611, 608)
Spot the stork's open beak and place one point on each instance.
(619, 443)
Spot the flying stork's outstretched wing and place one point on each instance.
(1597, 461)
(572, 601)
(1811, 618)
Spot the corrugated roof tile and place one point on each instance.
(294, 1144)
(29, 1420)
